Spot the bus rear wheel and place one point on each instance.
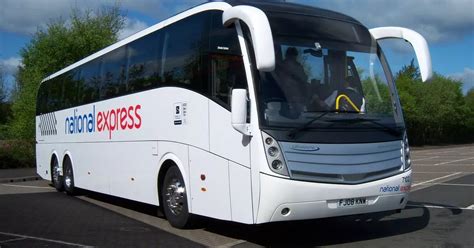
(56, 178)
(175, 200)
(68, 177)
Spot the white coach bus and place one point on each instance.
(247, 111)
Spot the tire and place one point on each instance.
(68, 178)
(56, 178)
(175, 200)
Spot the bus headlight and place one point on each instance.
(275, 159)
(273, 151)
(406, 152)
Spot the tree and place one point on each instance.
(60, 44)
(3, 90)
(435, 112)
(469, 99)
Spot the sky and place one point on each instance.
(447, 25)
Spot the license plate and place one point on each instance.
(351, 202)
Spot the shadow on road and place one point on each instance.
(307, 233)
(328, 231)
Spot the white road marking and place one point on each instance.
(439, 207)
(43, 239)
(11, 240)
(428, 165)
(454, 161)
(26, 186)
(436, 179)
(436, 172)
(208, 239)
(413, 160)
(434, 152)
(451, 184)
(471, 207)
(231, 244)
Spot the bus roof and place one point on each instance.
(293, 8)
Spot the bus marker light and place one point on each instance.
(277, 165)
(203, 177)
(203, 189)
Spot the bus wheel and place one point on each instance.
(68, 177)
(56, 178)
(175, 200)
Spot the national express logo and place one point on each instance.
(125, 118)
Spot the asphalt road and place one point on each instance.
(440, 213)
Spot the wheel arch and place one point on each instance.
(67, 155)
(167, 161)
(53, 156)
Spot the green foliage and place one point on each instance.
(436, 111)
(5, 106)
(17, 153)
(469, 122)
(3, 90)
(59, 45)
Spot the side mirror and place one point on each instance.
(417, 41)
(239, 111)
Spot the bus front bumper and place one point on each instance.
(284, 199)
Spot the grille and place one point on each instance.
(342, 163)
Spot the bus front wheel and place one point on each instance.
(175, 200)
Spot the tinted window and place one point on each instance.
(89, 82)
(114, 73)
(223, 39)
(183, 49)
(41, 104)
(143, 70)
(227, 74)
(69, 80)
(55, 91)
(227, 68)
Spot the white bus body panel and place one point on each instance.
(310, 200)
(211, 196)
(240, 192)
(224, 140)
(126, 162)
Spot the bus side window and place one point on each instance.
(227, 68)
(227, 73)
(41, 104)
(183, 47)
(114, 73)
(144, 63)
(90, 82)
(70, 89)
(55, 88)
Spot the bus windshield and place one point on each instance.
(342, 78)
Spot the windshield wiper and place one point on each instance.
(388, 129)
(303, 127)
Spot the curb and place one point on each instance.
(19, 179)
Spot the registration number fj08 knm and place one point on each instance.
(350, 202)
